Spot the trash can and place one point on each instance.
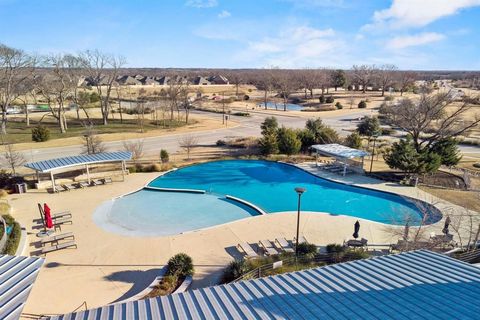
(21, 188)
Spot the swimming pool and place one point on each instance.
(279, 106)
(268, 185)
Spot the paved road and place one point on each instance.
(248, 126)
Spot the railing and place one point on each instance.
(322, 258)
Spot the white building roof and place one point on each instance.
(339, 151)
(414, 285)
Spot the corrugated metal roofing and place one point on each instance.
(414, 285)
(17, 275)
(58, 163)
(338, 150)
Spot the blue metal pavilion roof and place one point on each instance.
(59, 163)
(414, 285)
(338, 150)
(17, 275)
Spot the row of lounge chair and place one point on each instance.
(58, 241)
(269, 248)
(82, 184)
(334, 167)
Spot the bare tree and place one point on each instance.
(431, 118)
(92, 141)
(386, 76)
(13, 158)
(135, 147)
(188, 142)
(264, 81)
(405, 80)
(102, 71)
(58, 87)
(285, 85)
(363, 75)
(15, 67)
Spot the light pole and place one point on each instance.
(299, 191)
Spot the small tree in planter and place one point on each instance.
(362, 104)
(180, 265)
(164, 157)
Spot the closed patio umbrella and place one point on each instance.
(447, 224)
(48, 217)
(356, 229)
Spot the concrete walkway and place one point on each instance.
(107, 267)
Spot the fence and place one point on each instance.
(322, 258)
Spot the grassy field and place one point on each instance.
(19, 133)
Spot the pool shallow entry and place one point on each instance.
(159, 213)
(264, 184)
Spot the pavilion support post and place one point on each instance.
(88, 174)
(53, 182)
(123, 170)
(38, 176)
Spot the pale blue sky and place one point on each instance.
(413, 34)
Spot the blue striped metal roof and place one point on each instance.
(414, 285)
(59, 163)
(17, 275)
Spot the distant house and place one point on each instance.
(218, 79)
(201, 81)
(128, 81)
(149, 81)
(163, 81)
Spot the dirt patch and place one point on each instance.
(467, 199)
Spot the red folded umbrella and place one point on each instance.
(48, 216)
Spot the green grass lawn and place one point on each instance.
(18, 132)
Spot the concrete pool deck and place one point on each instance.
(107, 266)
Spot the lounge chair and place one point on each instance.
(59, 188)
(247, 249)
(97, 182)
(57, 238)
(268, 247)
(356, 243)
(284, 245)
(59, 246)
(83, 184)
(107, 180)
(69, 186)
(301, 239)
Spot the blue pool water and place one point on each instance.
(268, 185)
(157, 213)
(290, 106)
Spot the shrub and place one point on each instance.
(350, 87)
(338, 105)
(362, 104)
(329, 99)
(40, 134)
(387, 131)
(180, 265)
(307, 249)
(321, 99)
(241, 114)
(388, 98)
(3, 194)
(132, 169)
(164, 157)
(335, 248)
(221, 143)
(288, 141)
(354, 140)
(350, 255)
(168, 283)
(5, 208)
(246, 97)
(14, 237)
(476, 165)
(234, 270)
(154, 167)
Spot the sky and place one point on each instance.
(412, 34)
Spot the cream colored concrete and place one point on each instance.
(105, 266)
